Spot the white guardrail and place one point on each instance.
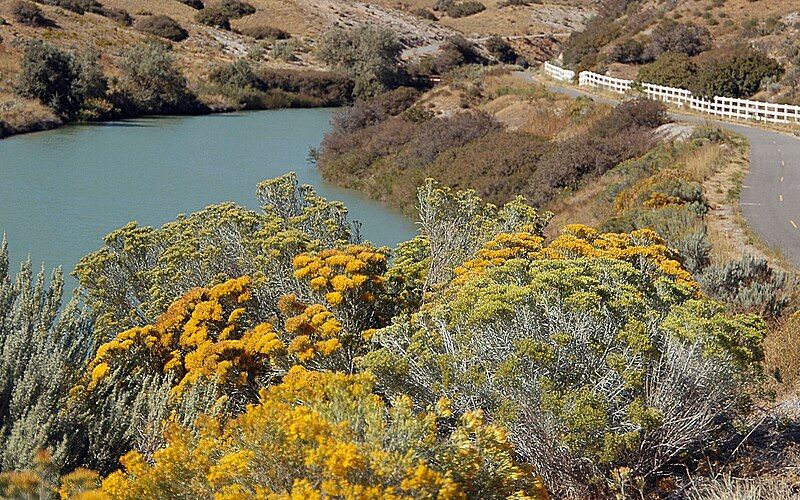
(720, 106)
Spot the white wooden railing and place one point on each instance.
(564, 75)
(618, 85)
(719, 106)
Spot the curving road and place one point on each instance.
(770, 200)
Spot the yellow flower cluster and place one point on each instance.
(649, 191)
(343, 276)
(643, 248)
(323, 435)
(660, 200)
(314, 328)
(205, 334)
(503, 247)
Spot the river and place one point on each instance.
(62, 190)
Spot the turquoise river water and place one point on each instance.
(61, 191)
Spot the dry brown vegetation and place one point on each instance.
(476, 133)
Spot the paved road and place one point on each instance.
(770, 200)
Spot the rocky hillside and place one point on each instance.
(627, 35)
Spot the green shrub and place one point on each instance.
(465, 9)
(583, 47)
(670, 36)
(671, 69)
(261, 32)
(369, 55)
(238, 74)
(49, 75)
(151, 83)
(738, 73)
(162, 26)
(749, 284)
(630, 51)
(27, 13)
(584, 357)
(220, 14)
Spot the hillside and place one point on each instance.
(627, 35)
(112, 25)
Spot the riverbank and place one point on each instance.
(291, 89)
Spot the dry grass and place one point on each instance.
(547, 17)
(24, 115)
(782, 353)
(729, 488)
(585, 206)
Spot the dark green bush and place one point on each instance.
(162, 26)
(630, 51)
(322, 88)
(501, 50)
(60, 80)
(465, 9)
(739, 73)
(50, 75)
(583, 47)
(195, 4)
(220, 14)
(671, 69)
(261, 32)
(27, 13)
(119, 15)
(670, 36)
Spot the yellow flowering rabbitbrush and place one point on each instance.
(323, 435)
(206, 334)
